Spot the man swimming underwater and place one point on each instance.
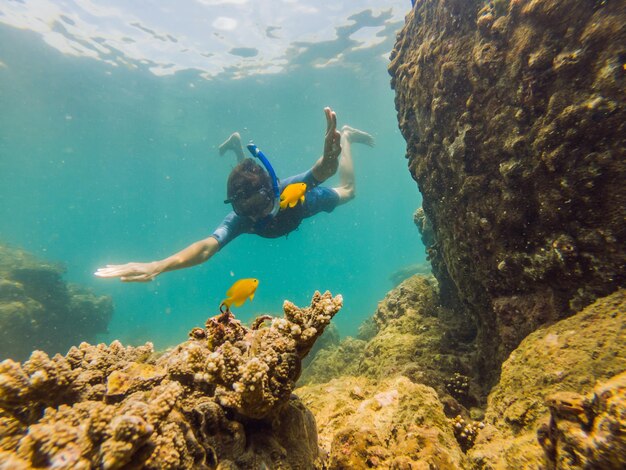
(254, 191)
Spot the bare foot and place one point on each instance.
(356, 136)
(232, 143)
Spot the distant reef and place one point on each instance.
(514, 114)
(39, 310)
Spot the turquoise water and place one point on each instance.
(104, 165)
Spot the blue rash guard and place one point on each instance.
(316, 199)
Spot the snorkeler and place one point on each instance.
(253, 191)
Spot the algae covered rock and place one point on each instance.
(334, 361)
(570, 356)
(409, 334)
(38, 310)
(417, 337)
(514, 114)
(394, 423)
(223, 399)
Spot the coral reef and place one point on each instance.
(223, 399)
(394, 423)
(410, 336)
(329, 339)
(38, 310)
(569, 356)
(417, 337)
(514, 114)
(544, 412)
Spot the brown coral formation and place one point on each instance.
(38, 310)
(514, 114)
(569, 356)
(466, 431)
(220, 400)
(587, 431)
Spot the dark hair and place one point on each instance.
(249, 189)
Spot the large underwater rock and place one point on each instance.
(514, 114)
(222, 400)
(392, 423)
(38, 310)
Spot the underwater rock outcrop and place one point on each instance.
(560, 402)
(223, 399)
(547, 375)
(514, 114)
(414, 336)
(38, 310)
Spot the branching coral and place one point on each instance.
(114, 406)
(255, 369)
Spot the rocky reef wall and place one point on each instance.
(514, 114)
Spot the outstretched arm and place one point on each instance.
(327, 164)
(194, 254)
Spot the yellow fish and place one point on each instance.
(239, 292)
(292, 194)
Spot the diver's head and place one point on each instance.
(249, 190)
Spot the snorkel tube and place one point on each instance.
(254, 150)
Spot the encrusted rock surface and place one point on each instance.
(38, 310)
(514, 114)
(566, 359)
(394, 423)
(220, 400)
(334, 361)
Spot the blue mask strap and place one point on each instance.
(254, 150)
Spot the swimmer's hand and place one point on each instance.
(131, 272)
(332, 146)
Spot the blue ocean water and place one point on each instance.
(104, 165)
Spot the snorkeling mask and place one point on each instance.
(262, 194)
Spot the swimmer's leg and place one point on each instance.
(349, 135)
(356, 136)
(233, 143)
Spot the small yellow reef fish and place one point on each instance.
(292, 194)
(239, 292)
